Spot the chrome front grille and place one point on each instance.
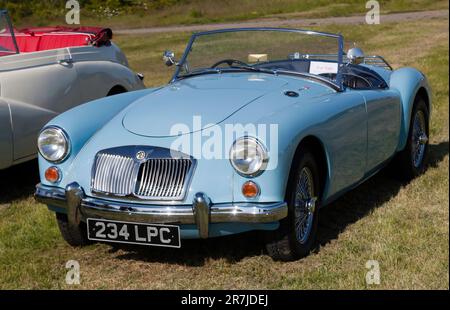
(163, 178)
(159, 175)
(113, 175)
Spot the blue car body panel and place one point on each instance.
(359, 130)
(407, 82)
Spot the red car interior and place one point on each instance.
(42, 39)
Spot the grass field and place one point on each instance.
(172, 12)
(405, 226)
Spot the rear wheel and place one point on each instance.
(296, 235)
(411, 162)
(75, 235)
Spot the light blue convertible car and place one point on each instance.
(257, 129)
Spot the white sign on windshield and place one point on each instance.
(318, 67)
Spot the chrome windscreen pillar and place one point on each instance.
(74, 196)
(201, 208)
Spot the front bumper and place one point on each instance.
(201, 213)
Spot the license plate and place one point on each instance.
(134, 233)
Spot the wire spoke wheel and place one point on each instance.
(296, 236)
(411, 161)
(419, 139)
(304, 205)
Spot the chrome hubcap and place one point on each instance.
(419, 139)
(305, 205)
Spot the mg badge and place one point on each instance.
(140, 155)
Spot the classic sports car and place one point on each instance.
(258, 128)
(46, 71)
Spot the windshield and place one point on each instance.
(267, 50)
(7, 41)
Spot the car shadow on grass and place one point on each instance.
(196, 253)
(18, 182)
(370, 195)
(333, 220)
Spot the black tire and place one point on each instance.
(75, 235)
(404, 161)
(283, 244)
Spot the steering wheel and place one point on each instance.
(229, 62)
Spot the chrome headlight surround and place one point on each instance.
(53, 144)
(249, 157)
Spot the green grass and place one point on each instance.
(171, 12)
(403, 226)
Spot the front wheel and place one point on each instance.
(296, 235)
(75, 235)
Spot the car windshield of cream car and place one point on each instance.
(7, 42)
(275, 51)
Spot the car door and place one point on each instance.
(5, 135)
(383, 125)
(346, 139)
(38, 87)
(383, 113)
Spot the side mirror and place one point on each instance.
(355, 55)
(169, 58)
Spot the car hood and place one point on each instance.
(207, 99)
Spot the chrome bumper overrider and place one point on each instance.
(202, 212)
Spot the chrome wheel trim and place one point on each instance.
(304, 205)
(419, 139)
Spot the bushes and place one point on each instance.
(49, 9)
(41, 9)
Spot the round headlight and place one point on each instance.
(248, 156)
(53, 144)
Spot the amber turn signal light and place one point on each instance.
(250, 189)
(52, 174)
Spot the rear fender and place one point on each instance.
(408, 82)
(105, 75)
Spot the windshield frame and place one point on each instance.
(5, 14)
(340, 39)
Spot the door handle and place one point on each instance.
(65, 61)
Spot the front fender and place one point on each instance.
(337, 120)
(82, 122)
(408, 82)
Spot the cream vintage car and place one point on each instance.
(46, 71)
